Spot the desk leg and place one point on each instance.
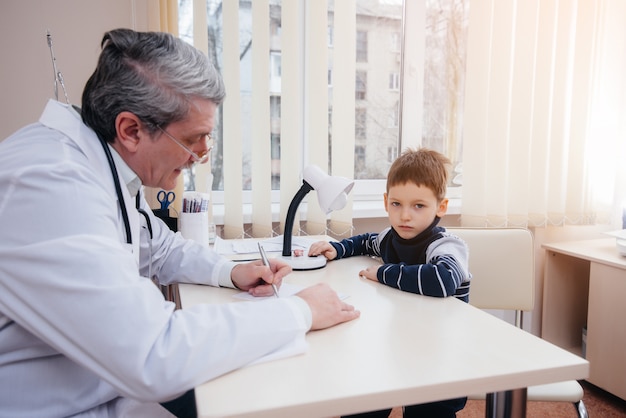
(508, 404)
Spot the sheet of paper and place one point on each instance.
(249, 246)
(285, 290)
(297, 346)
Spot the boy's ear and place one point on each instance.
(443, 208)
(385, 197)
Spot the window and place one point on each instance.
(359, 158)
(275, 108)
(394, 81)
(361, 85)
(361, 46)
(394, 116)
(275, 72)
(392, 154)
(434, 117)
(395, 43)
(275, 124)
(360, 130)
(275, 161)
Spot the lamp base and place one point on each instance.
(304, 262)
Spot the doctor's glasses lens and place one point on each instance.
(200, 158)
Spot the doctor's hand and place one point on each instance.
(326, 307)
(256, 279)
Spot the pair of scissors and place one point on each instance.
(165, 198)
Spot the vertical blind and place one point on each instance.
(163, 16)
(292, 106)
(232, 135)
(305, 107)
(343, 105)
(541, 77)
(261, 150)
(316, 62)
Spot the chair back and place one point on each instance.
(501, 261)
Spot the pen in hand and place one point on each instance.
(266, 262)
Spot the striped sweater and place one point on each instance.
(435, 263)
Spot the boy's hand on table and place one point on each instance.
(369, 273)
(323, 248)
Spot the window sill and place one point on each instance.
(362, 209)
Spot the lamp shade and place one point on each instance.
(332, 194)
(332, 191)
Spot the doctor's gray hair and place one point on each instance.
(150, 74)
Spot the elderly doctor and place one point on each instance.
(83, 332)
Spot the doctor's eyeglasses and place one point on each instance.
(201, 158)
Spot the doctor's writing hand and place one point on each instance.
(256, 278)
(323, 248)
(326, 307)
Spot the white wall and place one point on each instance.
(77, 27)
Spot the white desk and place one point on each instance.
(585, 285)
(404, 349)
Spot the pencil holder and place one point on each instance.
(195, 226)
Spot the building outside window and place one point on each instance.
(360, 130)
(394, 81)
(330, 36)
(395, 42)
(394, 116)
(361, 46)
(360, 88)
(359, 158)
(392, 154)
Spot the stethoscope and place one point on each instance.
(120, 197)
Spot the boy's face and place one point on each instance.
(412, 208)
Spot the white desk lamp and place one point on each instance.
(332, 194)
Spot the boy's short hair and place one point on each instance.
(423, 167)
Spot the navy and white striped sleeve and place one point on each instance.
(365, 244)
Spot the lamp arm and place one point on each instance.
(291, 216)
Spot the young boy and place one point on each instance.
(418, 256)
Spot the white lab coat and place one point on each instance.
(81, 331)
